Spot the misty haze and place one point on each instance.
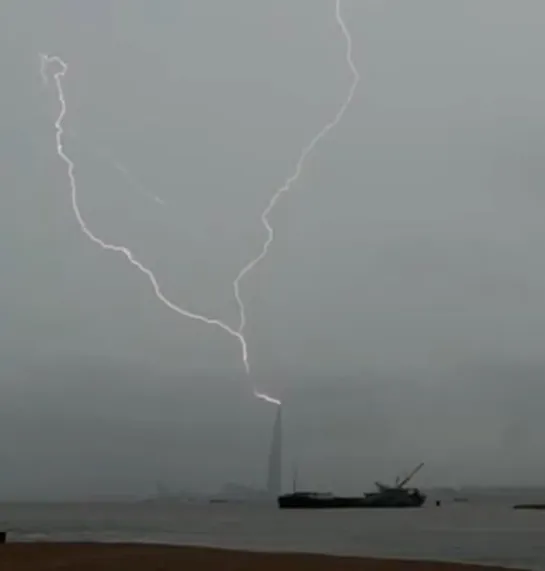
(400, 312)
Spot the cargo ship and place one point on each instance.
(397, 496)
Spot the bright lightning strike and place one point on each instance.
(299, 167)
(46, 60)
(57, 77)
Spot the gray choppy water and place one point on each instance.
(483, 534)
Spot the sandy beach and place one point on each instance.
(136, 557)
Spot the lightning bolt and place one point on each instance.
(122, 250)
(123, 170)
(298, 168)
(46, 60)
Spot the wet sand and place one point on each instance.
(137, 557)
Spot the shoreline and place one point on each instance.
(89, 556)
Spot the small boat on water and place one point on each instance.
(529, 507)
(386, 497)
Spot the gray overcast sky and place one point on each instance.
(401, 311)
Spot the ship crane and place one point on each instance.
(410, 476)
(400, 483)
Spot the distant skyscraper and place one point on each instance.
(274, 479)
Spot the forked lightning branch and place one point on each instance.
(58, 75)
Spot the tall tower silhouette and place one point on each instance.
(274, 477)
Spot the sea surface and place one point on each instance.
(488, 534)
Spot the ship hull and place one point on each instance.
(295, 501)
